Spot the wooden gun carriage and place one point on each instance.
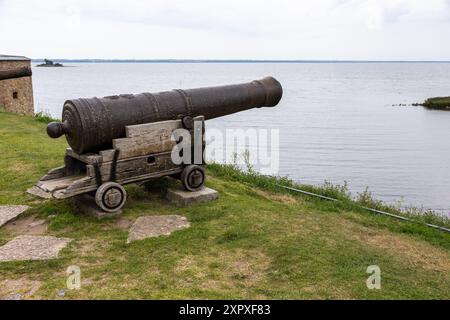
(143, 154)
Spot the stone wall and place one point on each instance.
(12, 65)
(16, 95)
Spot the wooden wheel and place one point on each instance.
(110, 197)
(193, 177)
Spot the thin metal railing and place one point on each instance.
(363, 207)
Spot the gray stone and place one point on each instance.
(86, 204)
(32, 248)
(7, 213)
(155, 226)
(38, 192)
(183, 197)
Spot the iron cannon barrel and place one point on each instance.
(91, 124)
(15, 73)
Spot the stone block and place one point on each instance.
(86, 204)
(182, 197)
(155, 226)
(28, 247)
(8, 213)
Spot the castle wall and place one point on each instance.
(16, 95)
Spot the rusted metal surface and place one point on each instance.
(15, 73)
(91, 124)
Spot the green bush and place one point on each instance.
(339, 192)
(44, 117)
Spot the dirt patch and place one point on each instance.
(29, 225)
(18, 289)
(283, 198)
(224, 270)
(86, 247)
(89, 247)
(124, 223)
(92, 252)
(21, 167)
(414, 252)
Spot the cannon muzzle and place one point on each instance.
(15, 73)
(91, 124)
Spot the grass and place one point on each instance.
(339, 192)
(44, 117)
(256, 241)
(441, 103)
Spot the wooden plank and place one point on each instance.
(91, 158)
(55, 173)
(88, 158)
(107, 155)
(57, 184)
(156, 128)
(141, 146)
(149, 138)
(149, 176)
(162, 128)
(88, 184)
(134, 166)
(80, 186)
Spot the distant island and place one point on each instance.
(49, 63)
(438, 103)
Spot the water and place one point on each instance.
(336, 120)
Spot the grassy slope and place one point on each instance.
(251, 243)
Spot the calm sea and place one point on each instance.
(336, 121)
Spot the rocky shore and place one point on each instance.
(438, 103)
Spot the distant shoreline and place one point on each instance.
(226, 61)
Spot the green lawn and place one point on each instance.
(251, 243)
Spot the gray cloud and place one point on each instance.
(172, 17)
(279, 29)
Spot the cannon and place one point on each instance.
(92, 124)
(15, 73)
(129, 138)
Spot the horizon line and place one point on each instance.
(96, 60)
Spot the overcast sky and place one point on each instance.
(227, 29)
